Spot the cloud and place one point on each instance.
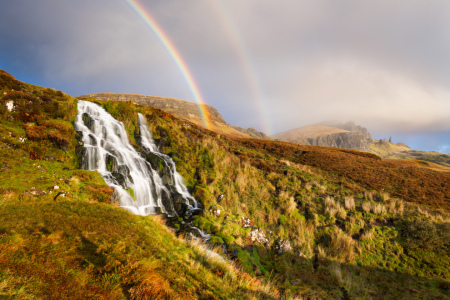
(364, 93)
(380, 63)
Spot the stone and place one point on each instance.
(246, 223)
(282, 246)
(258, 235)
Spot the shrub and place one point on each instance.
(35, 133)
(58, 140)
(427, 235)
(216, 240)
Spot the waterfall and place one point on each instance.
(147, 183)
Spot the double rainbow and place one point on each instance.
(177, 58)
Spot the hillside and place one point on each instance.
(295, 221)
(183, 109)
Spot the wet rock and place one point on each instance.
(92, 140)
(111, 163)
(179, 204)
(87, 120)
(282, 246)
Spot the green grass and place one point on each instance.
(83, 244)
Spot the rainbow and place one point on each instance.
(164, 39)
(248, 67)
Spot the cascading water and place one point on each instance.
(146, 183)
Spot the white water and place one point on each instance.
(123, 168)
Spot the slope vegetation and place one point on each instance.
(62, 237)
(315, 222)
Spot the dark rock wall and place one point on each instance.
(347, 140)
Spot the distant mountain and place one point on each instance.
(337, 135)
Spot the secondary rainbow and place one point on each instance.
(247, 65)
(177, 58)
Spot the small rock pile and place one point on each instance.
(258, 235)
(282, 246)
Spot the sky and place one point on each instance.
(271, 65)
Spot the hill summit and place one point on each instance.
(183, 109)
(330, 134)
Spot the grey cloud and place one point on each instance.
(380, 63)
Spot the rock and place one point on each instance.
(246, 223)
(282, 246)
(87, 120)
(49, 157)
(37, 193)
(252, 132)
(220, 198)
(111, 163)
(258, 235)
(10, 105)
(56, 187)
(295, 281)
(216, 211)
(337, 135)
(60, 194)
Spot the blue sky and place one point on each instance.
(382, 64)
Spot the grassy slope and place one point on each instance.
(299, 193)
(344, 213)
(70, 242)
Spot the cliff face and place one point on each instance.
(348, 140)
(252, 132)
(337, 135)
(174, 106)
(351, 126)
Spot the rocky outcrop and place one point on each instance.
(337, 135)
(347, 140)
(351, 126)
(180, 108)
(252, 132)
